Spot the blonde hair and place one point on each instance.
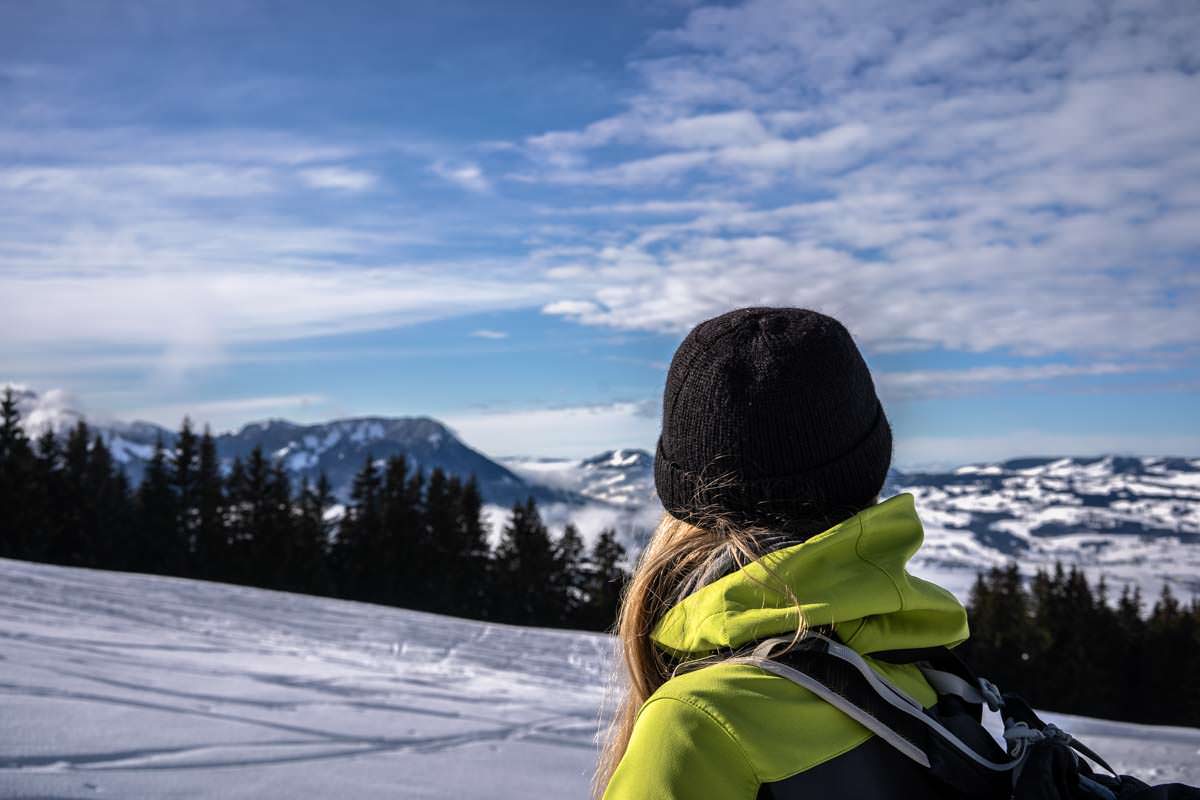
(679, 558)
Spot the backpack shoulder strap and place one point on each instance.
(950, 675)
(841, 677)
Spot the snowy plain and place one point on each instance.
(121, 685)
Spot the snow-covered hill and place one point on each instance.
(120, 685)
(622, 478)
(1133, 520)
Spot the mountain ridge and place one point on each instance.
(338, 448)
(1134, 519)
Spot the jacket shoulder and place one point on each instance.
(782, 728)
(680, 751)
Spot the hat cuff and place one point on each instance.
(847, 483)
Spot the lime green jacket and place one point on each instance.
(734, 731)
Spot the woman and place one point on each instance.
(773, 452)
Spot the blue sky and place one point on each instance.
(507, 215)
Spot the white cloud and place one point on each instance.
(56, 409)
(1014, 177)
(98, 182)
(177, 248)
(581, 309)
(727, 128)
(465, 175)
(191, 318)
(980, 177)
(232, 413)
(569, 432)
(650, 207)
(339, 178)
(940, 382)
(486, 333)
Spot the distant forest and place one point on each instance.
(420, 541)
(1063, 645)
(406, 538)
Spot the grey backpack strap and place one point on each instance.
(841, 677)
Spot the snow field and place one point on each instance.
(122, 685)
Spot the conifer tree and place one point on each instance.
(185, 468)
(238, 522)
(12, 435)
(1171, 638)
(312, 537)
(360, 536)
(19, 489)
(162, 549)
(399, 555)
(254, 499)
(71, 542)
(606, 579)
(273, 553)
(107, 500)
(415, 501)
(437, 589)
(471, 554)
(567, 583)
(524, 559)
(120, 513)
(1129, 633)
(211, 545)
(46, 523)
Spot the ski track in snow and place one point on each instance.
(121, 685)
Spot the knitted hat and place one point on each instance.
(770, 417)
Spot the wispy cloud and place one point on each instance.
(183, 248)
(189, 309)
(338, 178)
(222, 414)
(953, 180)
(1014, 180)
(941, 382)
(569, 432)
(464, 175)
(486, 333)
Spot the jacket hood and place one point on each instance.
(852, 577)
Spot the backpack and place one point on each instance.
(1041, 762)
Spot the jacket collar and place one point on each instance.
(853, 577)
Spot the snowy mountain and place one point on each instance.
(121, 685)
(623, 478)
(1134, 520)
(338, 448)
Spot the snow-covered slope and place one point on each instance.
(119, 685)
(1133, 520)
(623, 478)
(616, 488)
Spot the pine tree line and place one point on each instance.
(1062, 645)
(406, 538)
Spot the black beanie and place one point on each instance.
(770, 418)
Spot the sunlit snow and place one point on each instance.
(120, 685)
